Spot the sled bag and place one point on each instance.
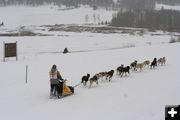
(66, 90)
(71, 88)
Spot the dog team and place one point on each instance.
(121, 70)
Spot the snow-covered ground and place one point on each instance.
(47, 15)
(170, 7)
(139, 96)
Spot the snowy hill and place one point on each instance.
(49, 15)
(140, 95)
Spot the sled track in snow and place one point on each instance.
(79, 51)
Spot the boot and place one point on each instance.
(60, 96)
(51, 95)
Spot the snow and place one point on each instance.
(45, 15)
(170, 7)
(140, 95)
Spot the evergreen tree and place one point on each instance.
(163, 20)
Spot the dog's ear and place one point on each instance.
(88, 74)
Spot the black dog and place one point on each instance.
(85, 79)
(2, 24)
(119, 69)
(154, 63)
(133, 64)
(109, 75)
(125, 70)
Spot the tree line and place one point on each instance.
(166, 20)
(67, 3)
(144, 4)
(113, 4)
(169, 2)
(136, 4)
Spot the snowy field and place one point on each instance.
(140, 95)
(47, 15)
(170, 7)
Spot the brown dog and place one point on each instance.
(92, 80)
(109, 75)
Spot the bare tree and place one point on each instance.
(94, 18)
(86, 18)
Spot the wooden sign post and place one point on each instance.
(10, 50)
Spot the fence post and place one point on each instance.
(16, 51)
(3, 51)
(26, 73)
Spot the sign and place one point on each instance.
(10, 50)
(172, 112)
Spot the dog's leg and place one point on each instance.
(90, 84)
(102, 78)
(134, 69)
(141, 69)
(122, 74)
(153, 66)
(110, 79)
(85, 83)
(97, 82)
(106, 77)
(125, 74)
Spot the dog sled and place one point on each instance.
(62, 90)
(67, 90)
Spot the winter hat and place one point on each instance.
(54, 66)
